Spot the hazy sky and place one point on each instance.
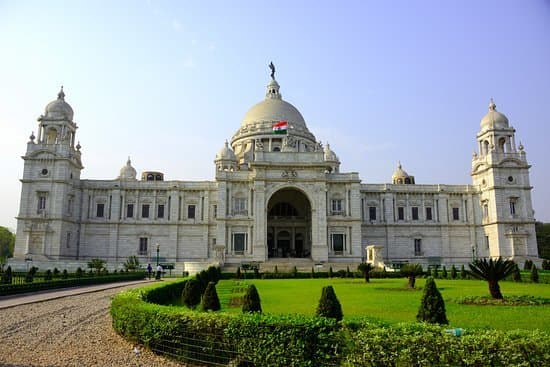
(167, 82)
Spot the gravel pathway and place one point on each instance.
(70, 331)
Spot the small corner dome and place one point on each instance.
(399, 173)
(226, 153)
(330, 155)
(494, 119)
(127, 172)
(59, 109)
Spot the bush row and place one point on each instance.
(429, 345)
(221, 338)
(7, 289)
(294, 340)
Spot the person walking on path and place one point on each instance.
(149, 270)
(159, 271)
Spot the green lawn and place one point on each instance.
(389, 300)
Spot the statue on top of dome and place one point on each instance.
(272, 67)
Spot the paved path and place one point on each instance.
(22, 299)
(69, 327)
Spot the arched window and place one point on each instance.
(51, 136)
(501, 144)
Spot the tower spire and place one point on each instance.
(61, 94)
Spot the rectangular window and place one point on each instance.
(372, 213)
(336, 206)
(401, 213)
(70, 206)
(429, 214)
(100, 210)
(130, 211)
(160, 211)
(240, 206)
(417, 247)
(456, 215)
(142, 246)
(338, 240)
(145, 211)
(215, 211)
(41, 203)
(414, 213)
(485, 211)
(68, 243)
(487, 242)
(512, 207)
(190, 212)
(239, 243)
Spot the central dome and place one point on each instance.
(259, 119)
(273, 109)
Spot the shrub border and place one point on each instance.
(294, 340)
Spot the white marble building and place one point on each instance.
(276, 198)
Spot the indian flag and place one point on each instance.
(280, 127)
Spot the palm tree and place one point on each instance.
(492, 271)
(365, 268)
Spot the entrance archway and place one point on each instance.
(289, 224)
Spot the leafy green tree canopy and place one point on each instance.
(7, 243)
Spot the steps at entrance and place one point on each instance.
(286, 265)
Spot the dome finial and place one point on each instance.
(492, 105)
(272, 67)
(61, 94)
(128, 162)
(399, 164)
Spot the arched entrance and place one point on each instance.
(289, 224)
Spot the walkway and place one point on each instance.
(68, 327)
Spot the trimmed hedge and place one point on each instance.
(65, 283)
(291, 340)
(427, 345)
(295, 340)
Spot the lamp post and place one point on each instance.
(158, 249)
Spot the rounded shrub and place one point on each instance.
(329, 306)
(432, 306)
(48, 276)
(527, 265)
(64, 274)
(7, 276)
(191, 295)
(210, 300)
(79, 272)
(251, 300)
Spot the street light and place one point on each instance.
(158, 249)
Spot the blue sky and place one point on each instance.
(166, 82)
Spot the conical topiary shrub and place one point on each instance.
(534, 274)
(453, 272)
(329, 306)
(432, 306)
(251, 300)
(444, 272)
(191, 295)
(210, 300)
(463, 273)
(516, 275)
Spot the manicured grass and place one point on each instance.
(390, 301)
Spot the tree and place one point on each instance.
(534, 274)
(48, 276)
(543, 239)
(453, 272)
(7, 243)
(191, 295)
(251, 300)
(329, 306)
(432, 306)
(492, 271)
(65, 274)
(545, 264)
(411, 271)
(97, 265)
(210, 300)
(132, 263)
(213, 274)
(7, 276)
(330, 272)
(435, 272)
(238, 273)
(516, 274)
(527, 265)
(365, 269)
(444, 272)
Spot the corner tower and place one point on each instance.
(501, 172)
(47, 224)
